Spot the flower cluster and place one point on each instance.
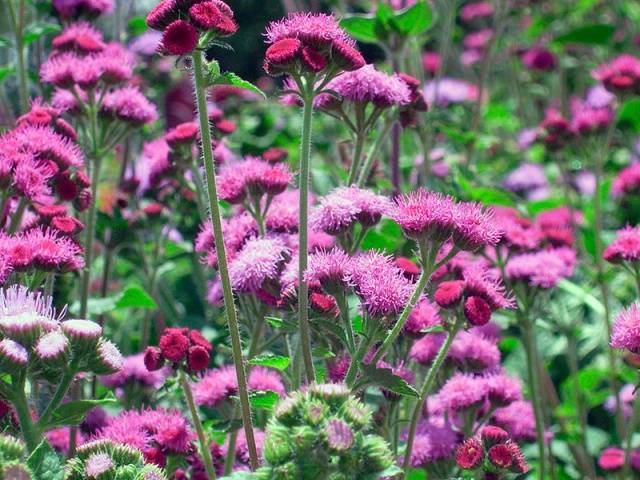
(323, 429)
(183, 23)
(105, 459)
(12, 453)
(493, 452)
(306, 43)
(621, 75)
(71, 9)
(625, 249)
(91, 75)
(182, 348)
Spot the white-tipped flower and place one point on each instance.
(98, 466)
(83, 334)
(25, 315)
(13, 356)
(108, 358)
(53, 349)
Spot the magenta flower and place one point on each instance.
(129, 105)
(424, 351)
(627, 181)
(424, 316)
(543, 269)
(473, 352)
(260, 260)
(476, 10)
(382, 287)
(432, 443)
(517, 419)
(461, 392)
(423, 214)
(77, 8)
(626, 329)
(328, 268)
(134, 371)
(625, 247)
(621, 75)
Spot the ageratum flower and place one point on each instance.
(461, 392)
(517, 419)
(129, 105)
(82, 8)
(304, 42)
(625, 247)
(626, 329)
(432, 443)
(621, 75)
(25, 315)
(473, 352)
(260, 260)
(470, 454)
(543, 269)
(382, 287)
(627, 182)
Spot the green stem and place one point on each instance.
(30, 434)
(528, 340)
(202, 438)
(303, 255)
(357, 156)
(343, 305)
(600, 269)
(58, 396)
(424, 392)
(90, 234)
(574, 368)
(356, 359)
(381, 138)
(633, 425)
(230, 309)
(428, 267)
(17, 21)
(231, 452)
(17, 216)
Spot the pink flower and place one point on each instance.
(134, 371)
(625, 247)
(462, 391)
(473, 352)
(611, 459)
(423, 214)
(543, 269)
(308, 28)
(367, 85)
(626, 329)
(517, 419)
(469, 454)
(283, 213)
(179, 38)
(88, 8)
(81, 36)
(328, 268)
(539, 58)
(621, 75)
(129, 105)
(424, 316)
(474, 227)
(260, 260)
(424, 351)
(236, 231)
(476, 10)
(382, 287)
(627, 181)
(432, 443)
(503, 390)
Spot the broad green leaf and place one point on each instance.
(73, 413)
(598, 34)
(36, 30)
(278, 362)
(414, 20)
(45, 463)
(581, 294)
(415, 474)
(230, 78)
(136, 297)
(137, 26)
(361, 27)
(537, 206)
(265, 400)
(629, 114)
(384, 377)
(386, 236)
(491, 196)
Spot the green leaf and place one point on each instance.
(629, 114)
(281, 324)
(5, 42)
(278, 362)
(36, 30)
(137, 26)
(597, 34)
(414, 20)
(384, 377)
(136, 297)
(581, 294)
(73, 413)
(386, 236)
(230, 78)
(6, 72)
(361, 27)
(45, 463)
(415, 474)
(264, 400)
(491, 196)
(536, 206)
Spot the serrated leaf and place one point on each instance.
(73, 413)
(361, 27)
(414, 20)
(279, 362)
(45, 463)
(384, 377)
(597, 34)
(136, 297)
(230, 78)
(264, 400)
(36, 30)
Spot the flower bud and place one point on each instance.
(153, 359)
(53, 349)
(13, 356)
(477, 311)
(108, 359)
(469, 454)
(376, 455)
(197, 358)
(339, 435)
(83, 334)
(449, 293)
(492, 435)
(500, 456)
(174, 345)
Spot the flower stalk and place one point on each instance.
(230, 310)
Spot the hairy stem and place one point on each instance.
(30, 434)
(202, 438)
(17, 19)
(424, 392)
(230, 309)
(529, 344)
(303, 256)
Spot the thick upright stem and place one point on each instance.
(303, 255)
(424, 392)
(58, 396)
(17, 20)
(195, 417)
(90, 234)
(29, 431)
(534, 384)
(230, 309)
(600, 270)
